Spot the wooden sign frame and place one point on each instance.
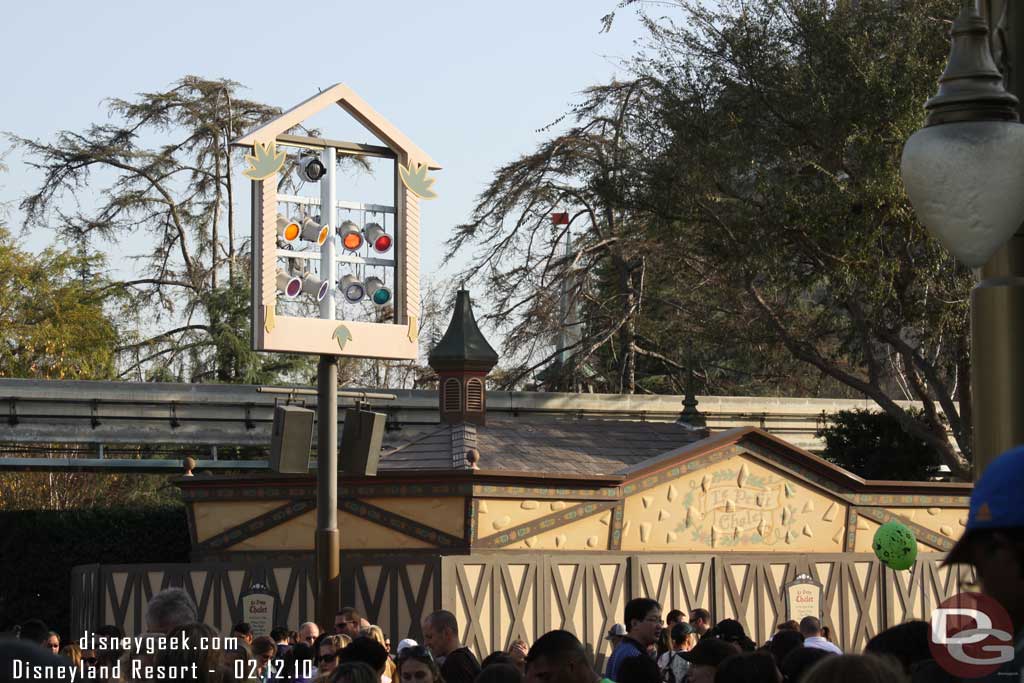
(394, 340)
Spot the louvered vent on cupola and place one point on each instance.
(462, 360)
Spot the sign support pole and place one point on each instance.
(328, 547)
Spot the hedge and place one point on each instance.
(38, 548)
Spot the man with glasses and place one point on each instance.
(347, 622)
(700, 620)
(643, 628)
(53, 642)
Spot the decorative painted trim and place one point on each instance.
(543, 493)
(256, 525)
(404, 525)
(681, 469)
(544, 524)
(472, 514)
(851, 529)
(239, 493)
(384, 490)
(615, 528)
(923, 534)
(911, 500)
(230, 556)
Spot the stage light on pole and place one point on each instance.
(377, 238)
(352, 288)
(351, 237)
(287, 284)
(378, 292)
(287, 229)
(314, 286)
(312, 231)
(311, 169)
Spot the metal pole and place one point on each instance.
(328, 546)
(997, 301)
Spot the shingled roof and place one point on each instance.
(570, 448)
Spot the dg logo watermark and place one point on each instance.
(971, 635)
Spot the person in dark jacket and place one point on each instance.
(441, 635)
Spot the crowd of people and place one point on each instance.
(645, 648)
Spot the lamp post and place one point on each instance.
(964, 174)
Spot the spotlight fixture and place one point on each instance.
(352, 288)
(311, 169)
(379, 293)
(287, 229)
(375, 236)
(314, 286)
(287, 284)
(312, 231)
(351, 237)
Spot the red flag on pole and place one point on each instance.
(560, 219)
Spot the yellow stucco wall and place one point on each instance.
(494, 515)
(446, 514)
(739, 504)
(587, 534)
(294, 534)
(946, 521)
(215, 517)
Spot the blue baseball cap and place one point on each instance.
(995, 501)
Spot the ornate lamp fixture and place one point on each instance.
(964, 171)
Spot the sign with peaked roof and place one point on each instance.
(329, 276)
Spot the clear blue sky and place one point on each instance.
(470, 82)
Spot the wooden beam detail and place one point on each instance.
(615, 528)
(923, 534)
(256, 525)
(851, 530)
(404, 525)
(544, 524)
(469, 521)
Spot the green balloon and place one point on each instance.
(895, 545)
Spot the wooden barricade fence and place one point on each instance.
(499, 597)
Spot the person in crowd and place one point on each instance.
(377, 634)
(517, 651)
(347, 621)
(404, 643)
(674, 617)
(558, 657)
(791, 625)
(705, 658)
(243, 632)
(854, 669)
(308, 633)
(799, 661)
(672, 665)
(88, 659)
(211, 665)
(353, 672)
(73, 653)
(643, 627)
(108, 656)
(993, 542)
(664, 643)
(731, 631)
(615, 635)
(368, 651)
(639, 669)
(264, 649)
(417, 665)
(782, 643)
(169, 609)
(293, 637)
(495, 658)
(810, 627)
(279, 634)
(500, 673)
(748, 667)
(441, 635)
(908, 644)
(298, 661)
(53, 642)
(826, 633)
(700, 620)
(35, 631)
(327, 647)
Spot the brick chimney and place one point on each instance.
(462, 360)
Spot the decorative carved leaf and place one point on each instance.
(265, 160)
(417, 180)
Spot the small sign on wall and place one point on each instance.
(258, 604)
(803, 598)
